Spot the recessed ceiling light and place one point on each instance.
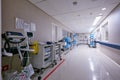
(75, 3)
(103, 9)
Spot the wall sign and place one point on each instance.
(27, 27)
(19, 23)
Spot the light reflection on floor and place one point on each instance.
(84, 63)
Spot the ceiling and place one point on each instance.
(80, 17)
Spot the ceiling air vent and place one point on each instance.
(93, 0)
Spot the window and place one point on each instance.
(104, 32)
(98, 35)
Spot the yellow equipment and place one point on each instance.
(35, 47)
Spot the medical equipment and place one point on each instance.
(17, 38)
(44, 58)
(57, 52)
(14, 38)
(68, 42)
(92, 42)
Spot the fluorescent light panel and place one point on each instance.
(96, 20)
(103, 9)
(91, 29)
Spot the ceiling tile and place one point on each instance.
(80, 17)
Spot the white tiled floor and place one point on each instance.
(84, 63)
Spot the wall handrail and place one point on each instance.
(115, 46)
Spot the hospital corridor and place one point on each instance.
(60, 40)
(84, 63)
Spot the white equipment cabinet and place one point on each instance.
(44, 58)
(57, 49)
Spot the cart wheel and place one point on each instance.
(42, 70)
(38, 70)
(52, 65)
(39, 77)
(55, 63)
(60, 59)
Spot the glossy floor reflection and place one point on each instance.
(84, 63)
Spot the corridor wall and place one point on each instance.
(111, 35)
(29, 13)
(25, 10)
